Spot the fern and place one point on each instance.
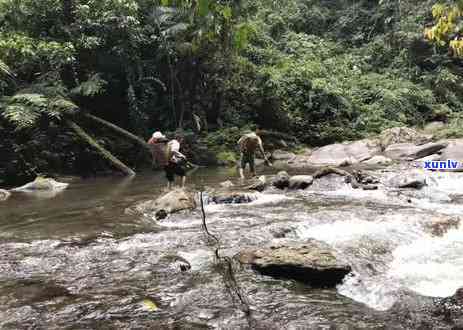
(25, 110)
(93, 86)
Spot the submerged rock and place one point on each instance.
(439, 226)
(174, 201)
(227, 184)
(4, 195)
(312, 262)
(231, 197)
(42, 184)
(300, 181)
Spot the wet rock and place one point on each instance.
(172, 202)
(439, 226)
(454, 151)
(431, 158)
(231, 197)
(300, 181)
(4, 195)
(402, 135)
(312, 262)
(282, 155)
(408, 180)
(281, 180)
(378, 160)
(33, 291)
(324, 171)
(409, 151)
(175, 263)
(42, 184)
(227, 184)
(258, 184)
(342, 154)
(280, 232)
(420, 312)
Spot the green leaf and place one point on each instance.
(150, 305)
(165, 2)
(203, 7)
(227, 12)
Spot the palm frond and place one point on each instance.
(93, 86)
(5, 70)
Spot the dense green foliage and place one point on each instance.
(321, 70)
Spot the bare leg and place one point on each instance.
(241, 173)
(168, 185)
(183, 181)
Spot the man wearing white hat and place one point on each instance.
(167, 155)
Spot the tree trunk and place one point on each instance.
(102, 151)
(120, 130)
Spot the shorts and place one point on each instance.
(173, 169)
(247, 158)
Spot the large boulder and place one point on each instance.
(42, 184)
(312, 262)
(4, 195)
(415, 180)
(402, 135)
(340, 154)
(409, 151)
(281, 180)
(454, 151)
(300, 181)
(172, 202)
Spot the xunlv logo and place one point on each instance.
(441, 165)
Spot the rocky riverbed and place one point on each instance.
(316, 247)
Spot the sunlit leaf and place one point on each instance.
(150, 305)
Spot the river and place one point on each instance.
(75, 260)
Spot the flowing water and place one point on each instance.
(76, 260)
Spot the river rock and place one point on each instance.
(227, 184)
(343, 154)
(282, 155)
(258, 184)
(281, 180)
(172, 202)
(378, 160)
(4, 195)
(439, 226)
(312, 262)
(231, 197)
(454, 151)
(300, 181)
(409, 151)
(398, 135)
(408, 180)
(42, 184)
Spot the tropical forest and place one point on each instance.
(231, 164)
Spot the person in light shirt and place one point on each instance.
(168, 156)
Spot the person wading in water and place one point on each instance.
(248, 144)
(168, 156)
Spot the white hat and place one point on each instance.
(158, 135)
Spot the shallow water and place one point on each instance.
(76, 260)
